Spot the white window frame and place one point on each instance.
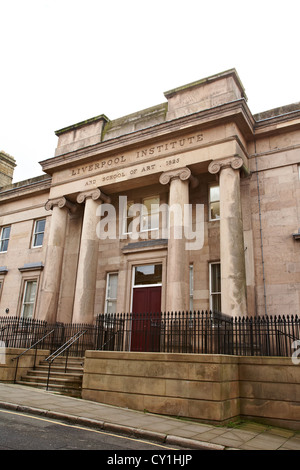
(107, 297)
(2, 239)
(35, 233)
(138, 286)
(210, 201)
(211, 293)
(140, 206)
(24, 304)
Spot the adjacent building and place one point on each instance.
(193, 204)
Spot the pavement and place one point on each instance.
(168, 430)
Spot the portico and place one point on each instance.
(179, 186)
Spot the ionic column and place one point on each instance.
(233, 277)
(83, 311)
(48, 298)
(177, 289)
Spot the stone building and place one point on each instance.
(191, 204)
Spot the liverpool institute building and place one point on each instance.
(193, 204)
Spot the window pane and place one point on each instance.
(30, 291)
(112, 286)
(150, 215)
(214, 193)
(216, 303)
(111, 293)
(4, 245)
(39, 230)
(6, 232)
(40, 225)
(215, 278)
(29, 299)
(38, 239)
(149, 274)
(191, 287)
(111, 306)
(214, 202)
(215, 210)
(28, 311)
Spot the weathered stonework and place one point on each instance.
(203, 135)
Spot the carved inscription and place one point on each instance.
(172, 146)
(169, 146)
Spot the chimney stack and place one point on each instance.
(7, 166)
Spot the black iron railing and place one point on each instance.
(182, 332)
(198, 332)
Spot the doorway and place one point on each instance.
(146, 308)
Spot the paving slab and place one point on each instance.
(171, 430)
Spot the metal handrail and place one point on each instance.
(108, 341)
(28, 349)
(65, 347)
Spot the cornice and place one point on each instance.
(237, 111)
(276, 124)
(25, 188)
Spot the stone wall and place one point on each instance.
(26, 362)
(211, 388)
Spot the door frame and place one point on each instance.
(149, 263)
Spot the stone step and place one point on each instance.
(59, 368)
(65, 382)
(68, 381)
(58, 388)
(72, 361)
(54, 373)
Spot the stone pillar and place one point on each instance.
(48, 299)
(83, 310)
(177, 289)
(233, 277)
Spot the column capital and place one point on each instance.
(62, 203)
(184, 174)
(94, 194)
(234, 162)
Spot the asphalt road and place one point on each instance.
(19, 431)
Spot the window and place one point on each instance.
(214, 203)
(4, 238)
(191, 287)
(142, 216)
(150, 214)
(28, 301)
(1, 285)
(149, 274)
(38, 232)
(215, 287)
(111, 293)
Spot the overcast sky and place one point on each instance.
(64, 61)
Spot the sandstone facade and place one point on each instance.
(202, 149)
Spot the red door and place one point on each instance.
(146, 313)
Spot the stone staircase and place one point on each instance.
(67, 382)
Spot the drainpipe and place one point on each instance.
(260, 228)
